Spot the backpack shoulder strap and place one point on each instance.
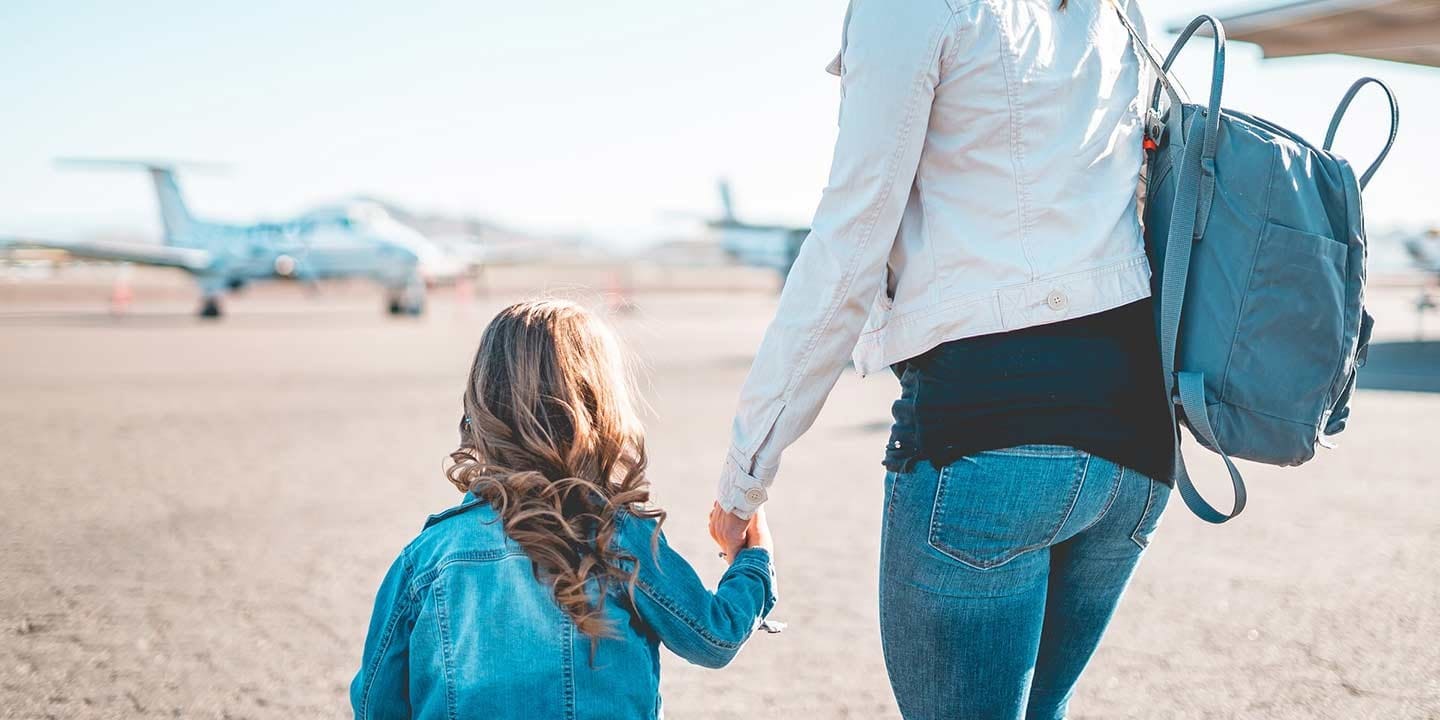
(1340, 115)
(1150, 57)
(1188, 388)
(1194, 190)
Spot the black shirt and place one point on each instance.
(1093, 383)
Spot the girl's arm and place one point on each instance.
(703, 627)
(382, 687)
(890, 60)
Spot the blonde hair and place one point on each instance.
(551, 441)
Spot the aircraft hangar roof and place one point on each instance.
(1401, 30)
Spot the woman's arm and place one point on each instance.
(891, 66)
(382, 687)
(703, 627)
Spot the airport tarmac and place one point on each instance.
(197, 515)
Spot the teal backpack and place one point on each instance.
(1257, 248)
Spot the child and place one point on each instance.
(547, 591)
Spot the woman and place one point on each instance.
(979, 236)
(547, 592)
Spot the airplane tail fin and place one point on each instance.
(174, 214)
(727, 202)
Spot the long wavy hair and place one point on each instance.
(551, 441)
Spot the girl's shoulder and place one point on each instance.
(471, 528)
(638, 534)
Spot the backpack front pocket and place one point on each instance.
(1289, 330)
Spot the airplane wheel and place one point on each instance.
(408, 300)
(210, 308)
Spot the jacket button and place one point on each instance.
(1057, 300)
(755, 495)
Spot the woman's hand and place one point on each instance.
(731, 532)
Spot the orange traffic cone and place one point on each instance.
(464, 295)
(617, 291)
(121, 295)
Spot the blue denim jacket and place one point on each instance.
(462, 628)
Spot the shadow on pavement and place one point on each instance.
(1410, 366)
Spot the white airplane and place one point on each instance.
(359, 239)
(768, 246)
(1424, 251)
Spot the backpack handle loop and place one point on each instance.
(1192, 400)
(1340, 115)
(1217, 79)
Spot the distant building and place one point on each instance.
(1405, 31)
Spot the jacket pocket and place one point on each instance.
(992, 507)
(885, 300)
(1295, 301)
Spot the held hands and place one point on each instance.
(733, 534)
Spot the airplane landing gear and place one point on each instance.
(400, 306)
(1424, 304)
(210, 308)
(408, 300)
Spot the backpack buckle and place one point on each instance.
(1154, 130)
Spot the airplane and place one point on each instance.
(1424, 251)
(767, 246)
(358, 239)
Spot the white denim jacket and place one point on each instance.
(984, 180)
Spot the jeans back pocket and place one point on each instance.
(994, 506)
(1150, 517)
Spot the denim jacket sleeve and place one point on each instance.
(381, 688)
(890, 67)
(702, 627)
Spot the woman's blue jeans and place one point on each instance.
(999, 573)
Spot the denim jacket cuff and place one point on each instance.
(760, 559)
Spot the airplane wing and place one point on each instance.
(189, 259)
(1425, 256)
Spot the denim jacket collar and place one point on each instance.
(468, 503)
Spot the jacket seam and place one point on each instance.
(402, 607)
(947, 59)
(428, 577)
(690, 622)
(695, 626)
(867, 235)
(442, 621)
(1017, 149)
(567, 652)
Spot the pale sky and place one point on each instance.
(612, 119)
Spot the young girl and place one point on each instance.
(547, 591)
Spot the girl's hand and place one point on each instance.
(757, 534)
